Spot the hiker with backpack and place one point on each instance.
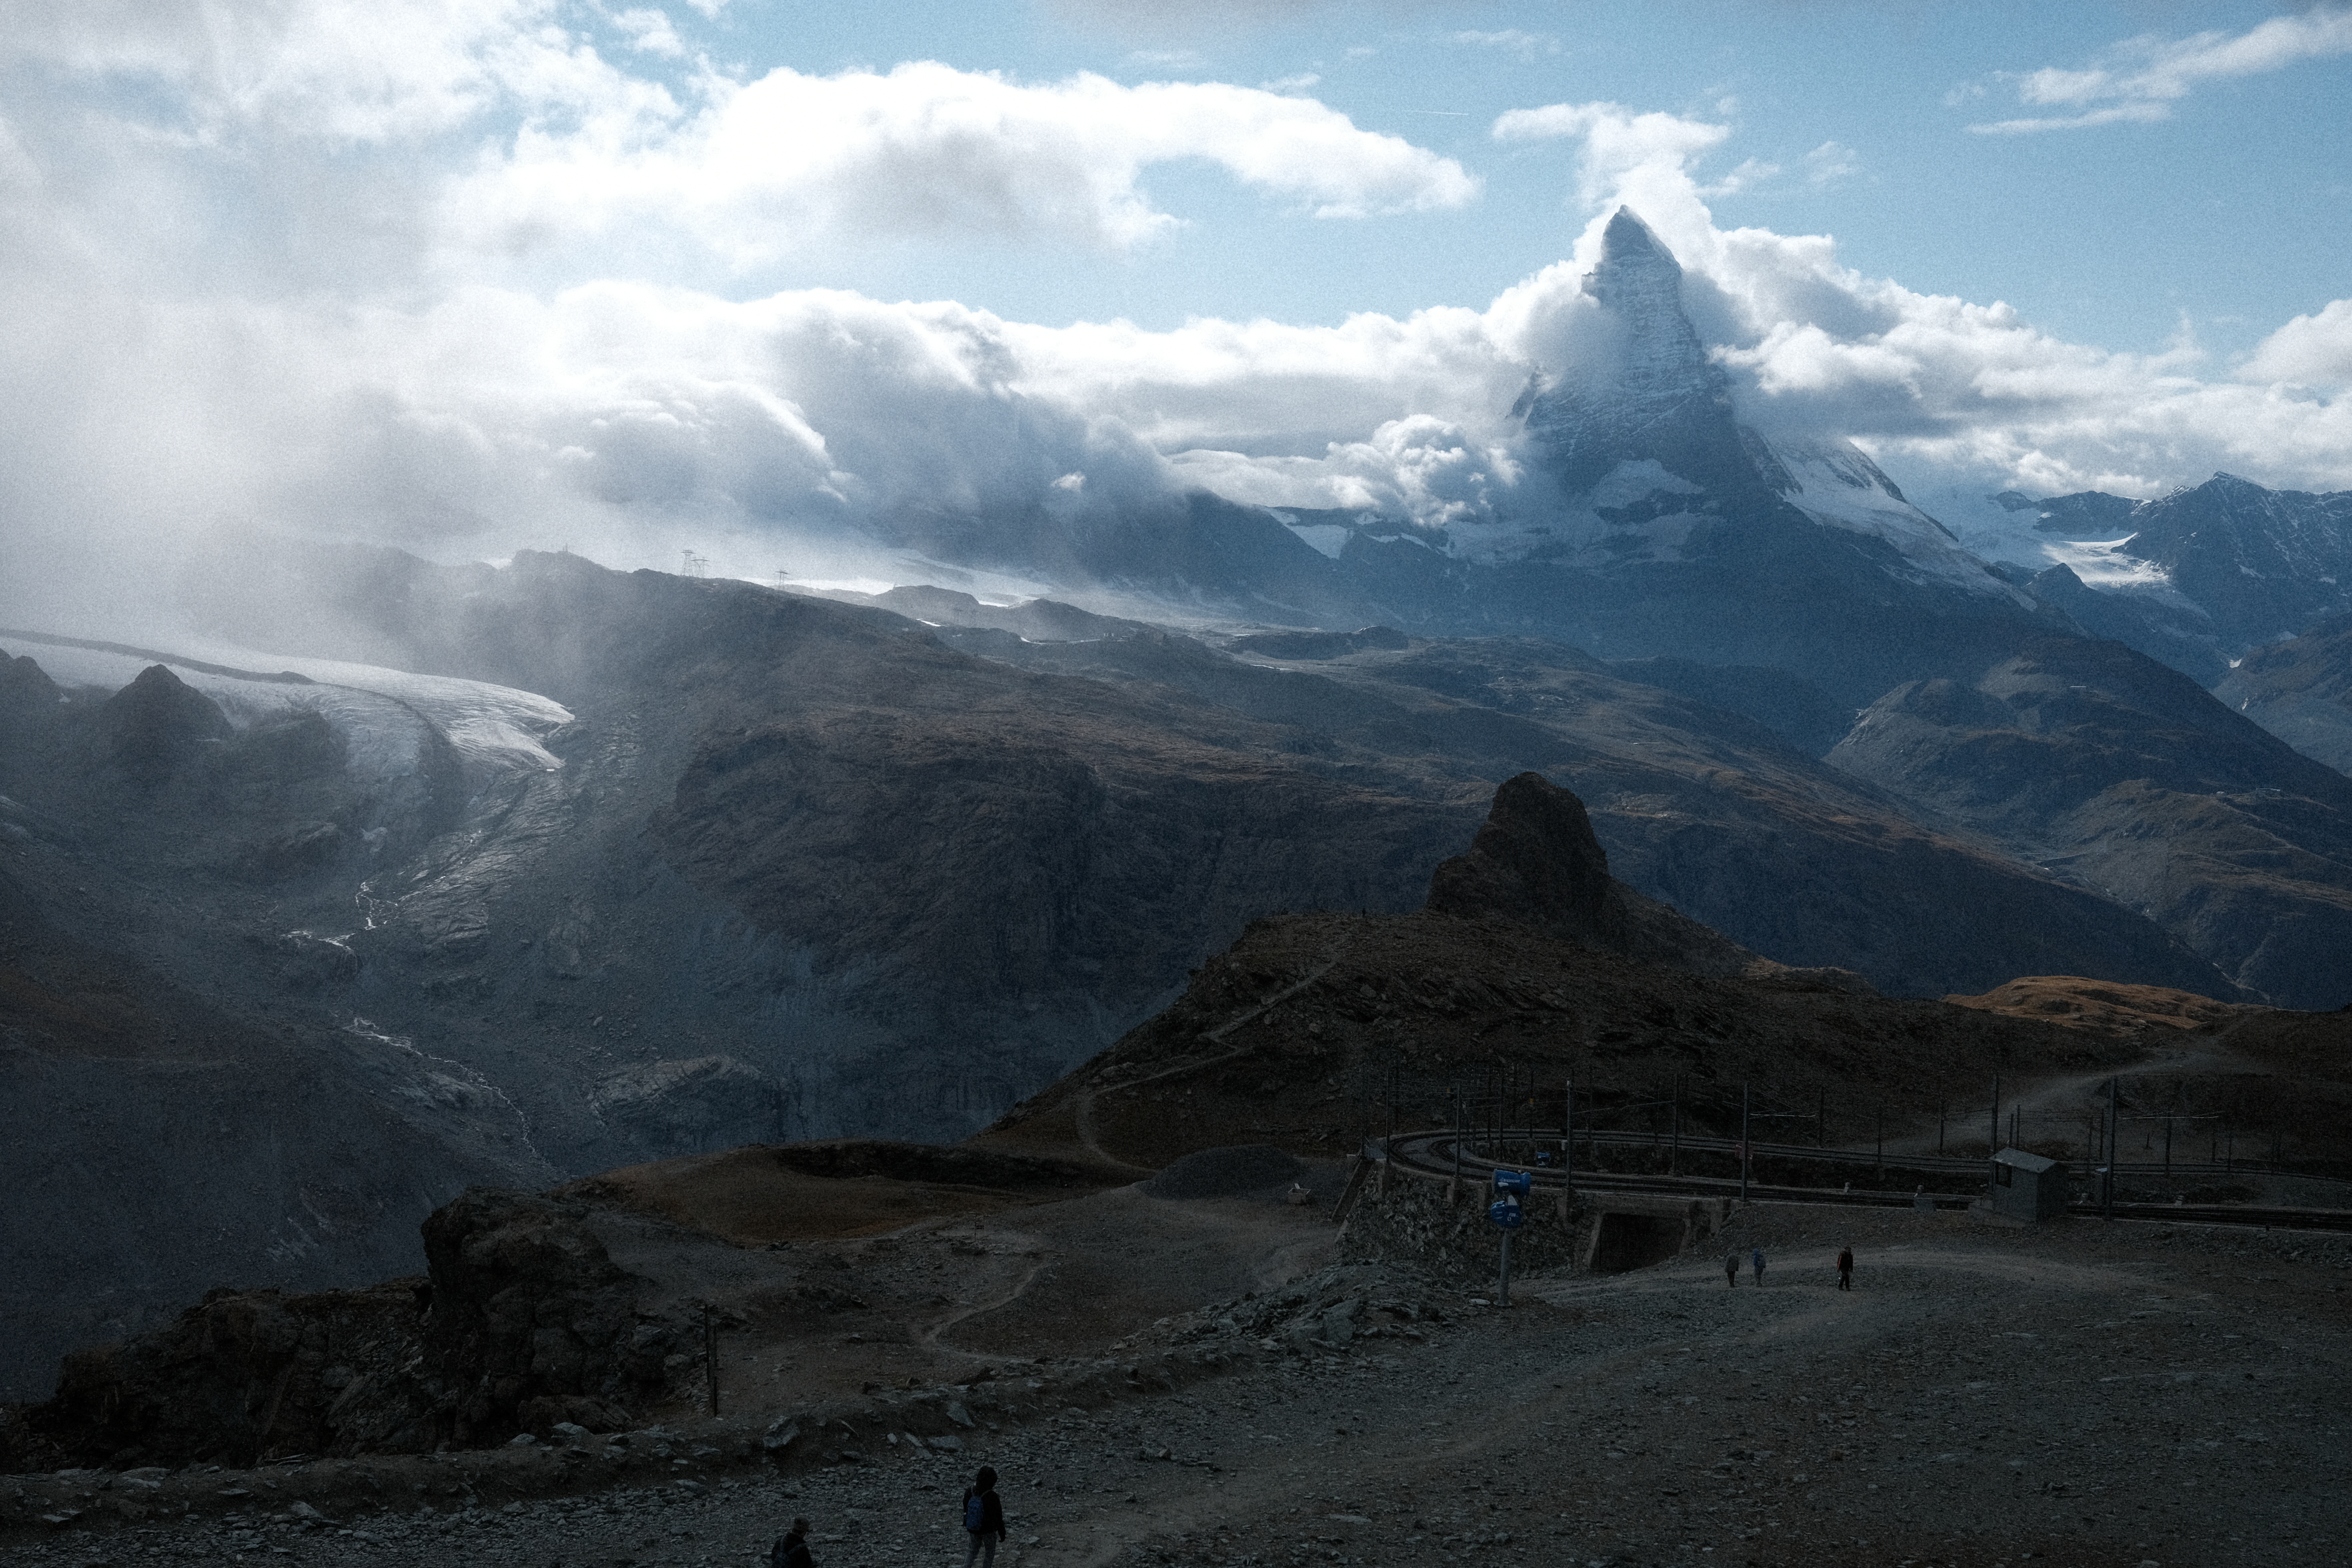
(791, 1550)
(984, 1517)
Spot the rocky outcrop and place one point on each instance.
(243, 1376)
(155, 727)
(1536, 863)
(531, 1322)
(523, 1321)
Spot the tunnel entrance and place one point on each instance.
(1628, 1241)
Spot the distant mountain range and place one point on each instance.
(544, 868)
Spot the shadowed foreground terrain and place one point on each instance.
(2090, 1393)
(1200, 1365)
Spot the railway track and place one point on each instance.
(1436, 1155)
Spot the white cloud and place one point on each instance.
(1831, 163)
(1419, 469)
(1623, 149)
(929, 149)
(745, 169)
(2309, 351)
(357, 70)
(1750, 174)
(650, 32)
(1298, 83)
(2141, 78)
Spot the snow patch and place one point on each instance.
(1633, 481)
(1325, 538)
(1834, 483)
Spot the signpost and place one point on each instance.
(1506, 1216)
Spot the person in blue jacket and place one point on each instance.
(984, 1517)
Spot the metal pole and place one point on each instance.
(2108, 1201)
(1939, 1126)
(1994, 1131)
(1879, 1166)
(1568, 1140)
(2168, 1149)
(1503, 1291)
(1456, 1186)
(1821, 1121)
(1674, 1165)
(710, 1356)
(1743, 1143)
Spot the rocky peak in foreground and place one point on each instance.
(1536, 863)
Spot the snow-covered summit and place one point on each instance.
(1643, 437)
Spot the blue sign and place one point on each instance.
(1504, 1212)
(1517, 1182)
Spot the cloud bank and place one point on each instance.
(170, 369)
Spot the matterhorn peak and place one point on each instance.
(1646, 388)
(1639, 282)
(1631, 254)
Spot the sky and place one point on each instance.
(747, 276)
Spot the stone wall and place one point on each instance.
(1411, 1220)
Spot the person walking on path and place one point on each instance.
(984, 1517)
(1845, 1268)
(792, 1551)
(1731, 1269)
(1757, 1257)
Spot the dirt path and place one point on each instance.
(2090, 1394)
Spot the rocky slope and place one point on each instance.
(2118, 773)
(736, 866)
(158, 1142)
(2300, 690)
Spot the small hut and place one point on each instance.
(2027, 1186)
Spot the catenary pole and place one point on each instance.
(1743, 1143)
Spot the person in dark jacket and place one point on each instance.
(1845, 1268)
(792, 1551)
(984, 1517)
